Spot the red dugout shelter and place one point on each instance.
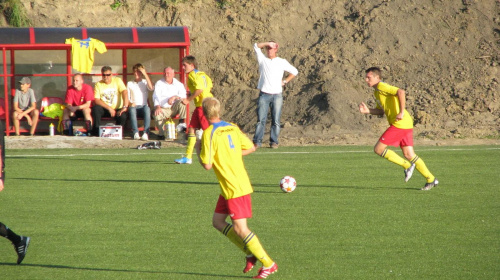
(42, 55)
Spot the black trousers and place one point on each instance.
(99, 112)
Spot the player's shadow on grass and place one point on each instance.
(80, 160)
(332, 187)
(216, 276)
(119, 181)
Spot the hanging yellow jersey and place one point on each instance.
(82, 53)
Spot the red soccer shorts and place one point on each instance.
(236, 208)
(397, 137)
(198, 119)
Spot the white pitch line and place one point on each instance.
(268, 153)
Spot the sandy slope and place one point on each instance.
(446, 55)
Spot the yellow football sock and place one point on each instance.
(393, 157)
(253, 244)
(190, 145)
(228, 231)
(422, 168)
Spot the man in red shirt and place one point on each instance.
(79, 97)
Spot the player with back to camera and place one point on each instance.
(222, 148)
(391, 101)
(20, 242)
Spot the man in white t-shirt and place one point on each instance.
(138, 94)
(167, 99)
(271, 82)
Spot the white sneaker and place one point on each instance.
(145, 137)
(136, 136)
(199, 134)
(181, 127)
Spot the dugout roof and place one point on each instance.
(123, 37)
(43, 55)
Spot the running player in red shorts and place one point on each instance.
(391, 101)
(222, 148)
(200, 86)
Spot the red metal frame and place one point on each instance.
(136, 44)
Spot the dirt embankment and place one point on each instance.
(446, 55)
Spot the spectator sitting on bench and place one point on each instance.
(167, 99)
(111, 100)
(79, 97)
(25, 106)
(138, 91)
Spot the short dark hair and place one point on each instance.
(106, 68)
(374, 70)
(190, 60)
(137, 66)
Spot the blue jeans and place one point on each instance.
(142, 111)
(266, 101)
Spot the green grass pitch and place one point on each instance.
(129, 214)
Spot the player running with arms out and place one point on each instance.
(391, 101)
(20, 242)
(200, 87)
(222, 148)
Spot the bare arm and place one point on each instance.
(197, 147)
(248, 151)
(85, 105)
(125, 98)
(27, 112)
(16, 108)
(79, 107)
(148, 80)
(402, 104)
(372, 111)
(125, 102)
(192, 96)
(288, 79)
(272, 45)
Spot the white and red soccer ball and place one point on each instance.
(288, 184)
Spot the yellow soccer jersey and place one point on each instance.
(110, 94)
(82, 57)
(199, 80)
(387, 99)
(221, 146)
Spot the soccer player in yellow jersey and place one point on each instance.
(391, 101)
(222, 148)
(200, 86)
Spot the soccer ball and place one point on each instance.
(288, 184)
